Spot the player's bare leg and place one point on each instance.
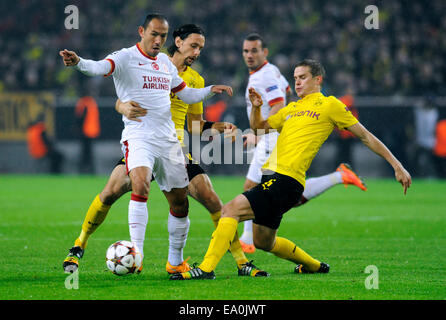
(178, 226)
(201, 189)
(117, 185)
(246, 239)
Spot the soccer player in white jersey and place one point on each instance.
(145, 75)
(267, 80)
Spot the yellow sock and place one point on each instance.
(285, 249)
(216, 217)
(235, 248)
(95, 216)
(220, 242)
(237, 251)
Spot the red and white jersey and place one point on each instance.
(270, 84)
(147, 81)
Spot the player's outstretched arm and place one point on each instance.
(87, 67)
(130, 109)
(374, 144)
(258, 124)
(193, 95)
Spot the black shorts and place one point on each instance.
(272, 197)
(121, 161)
(192, 167)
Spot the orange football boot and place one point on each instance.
(350, 177)
(247, 248)
(183, 267)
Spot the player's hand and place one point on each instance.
(230, 131)
(249, 140)
(403, 177)
(132, 110)
(70, 58)
(256, 99)
(224, 127)
(221, 88)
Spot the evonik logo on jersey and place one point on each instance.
(308, 113)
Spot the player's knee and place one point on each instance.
(226, 211)
(140, 186)
(263, 243)
(231, 210)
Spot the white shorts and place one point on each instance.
(261, 153)
(166, 161)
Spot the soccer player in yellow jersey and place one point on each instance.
(267, 80)
(188, 43)
(304, 126)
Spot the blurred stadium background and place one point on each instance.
(393, 76)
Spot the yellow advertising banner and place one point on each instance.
(19, 110)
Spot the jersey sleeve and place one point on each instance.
(197, 108)
(117, 62)
(285, 85)
(276, 121)
(340, 115)
(177, 83)
(93, 68)
(273, 91)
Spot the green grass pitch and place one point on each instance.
(403, 236)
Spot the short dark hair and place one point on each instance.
(316, 68)
(183, 32)
(255, 36)
(150, 17)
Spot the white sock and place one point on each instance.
(138, 218)
(178, 229)
(247, 232)
(316, 186)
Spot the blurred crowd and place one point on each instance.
(405, 56)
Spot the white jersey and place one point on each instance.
(272, 87)
(148, 81)
(270, 84)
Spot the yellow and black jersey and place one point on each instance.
(179, 108)
(304, 126)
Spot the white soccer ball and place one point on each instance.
(123, 258)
